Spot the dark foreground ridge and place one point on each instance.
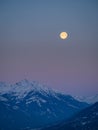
(87, 119)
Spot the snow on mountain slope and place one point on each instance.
(88, 99)
(22, 88)
(34, 105)
(35, 91)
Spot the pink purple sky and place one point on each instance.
(30, 47)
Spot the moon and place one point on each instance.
(63, 35)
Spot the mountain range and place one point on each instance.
(28, 105)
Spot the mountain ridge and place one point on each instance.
(89, 99)
(86, 119)
(37, 104)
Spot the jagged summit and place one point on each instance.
(26, 83)
(23, 87)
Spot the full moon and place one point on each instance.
(63, 35)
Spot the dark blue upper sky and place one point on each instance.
(30, 46)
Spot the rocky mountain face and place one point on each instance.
(86, 119)
(28, 105)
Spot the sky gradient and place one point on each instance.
(30, 47)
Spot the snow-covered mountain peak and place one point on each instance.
(33, 86)
(22, 88)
